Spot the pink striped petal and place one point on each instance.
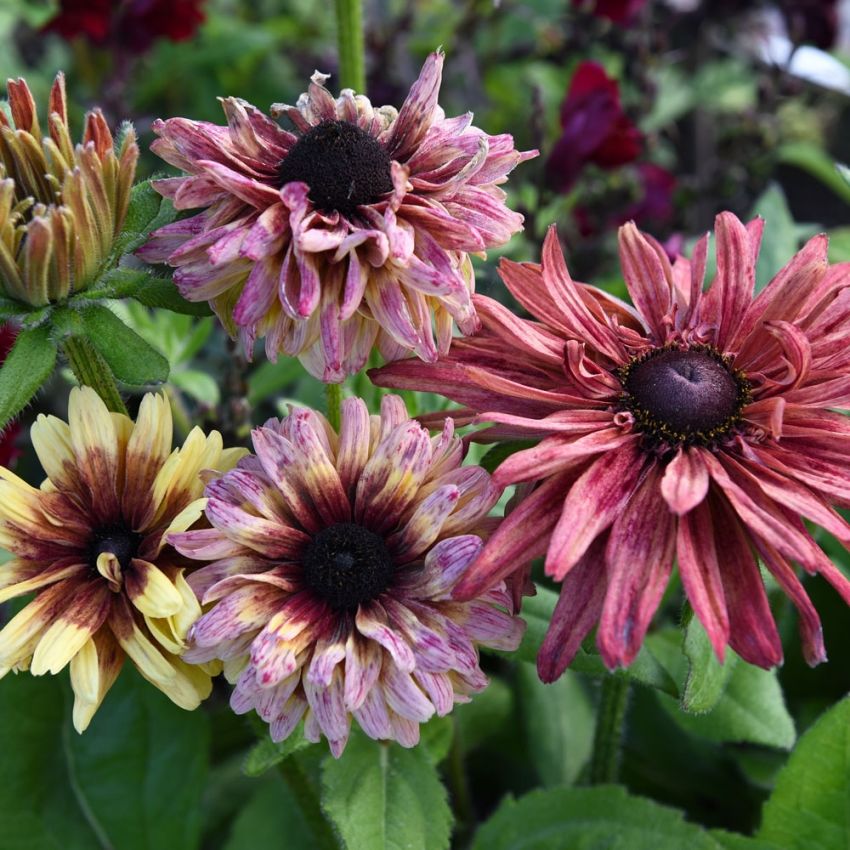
(685, 481)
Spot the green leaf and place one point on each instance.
(131, 359)
(161, 292)
(817, 162)
(810, 805)
(733, 841)
(148, 211)
(537, 613)
(780, 240)
(201, 386)
(559, 721)
(752, 708)
(141, 767)
(707, 677)
(29, 364)
(483, 717)
(502, 451)
(383, 797)
(266, 754)
(11, 309)
(436, 737)
(272, 819)
(604, 817)
(132, 781)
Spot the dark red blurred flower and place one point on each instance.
(131, 24)
(812, 21)
(619, 11)
(653, 203)
(8, 448)
(595, 128)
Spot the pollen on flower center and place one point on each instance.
(346, 564)
(343, 165)
(118, 540)
(684, 395)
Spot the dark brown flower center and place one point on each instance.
(117, 539)
(343, 165)
(684, 396)
(346, 565)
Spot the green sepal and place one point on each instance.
(147, 212)
(29, 364)
(131, 359)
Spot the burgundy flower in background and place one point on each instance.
(698, 426)
(653, 205)
(131, 24)
(595, 128)
(9, 450)
(621, 12)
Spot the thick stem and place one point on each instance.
(349, 21)
(459, 784)
(333, 394)
(608, 740)
(308, 802)
(91, 370)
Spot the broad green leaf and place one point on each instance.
(383, 797)
(707, 677)
(201, 386)
(141, 767)
(131, 359)
(29, 364)
(270, 819)
(39, 807)
(11, 309)
(734, 841)
(752, 708)
(436, 737)
(780, 240)
(266, 754)
(818, 163)
(810, 805)
(604, 817)
(559, 720)
(133, 781)
(537, 613)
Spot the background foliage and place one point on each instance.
(713, 757)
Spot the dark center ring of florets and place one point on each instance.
(344, 166)
(117, 539)
(684, 396)
(346, 565)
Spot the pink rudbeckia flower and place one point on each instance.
(699, 427)
(351, 232)
(334, 557)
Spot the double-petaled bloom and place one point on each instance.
(334, 557)
(61, 206)
(699, 427)
(90, 543)
(353, 231)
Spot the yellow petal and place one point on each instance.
(150, 590)
(51, 439)
(29, 582)
(93, 671)
(95, 443)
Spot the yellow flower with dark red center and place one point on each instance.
(91, 544)
(61, 206)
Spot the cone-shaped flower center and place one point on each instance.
(118, 540)
(689, 396)
(343, 166)
(346, 564)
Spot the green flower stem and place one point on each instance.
(349, 21)
(308, 802)
(91, 370)
(607, 742)
(333, 394)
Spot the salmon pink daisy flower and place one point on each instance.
(699, 428)
(353, 231)
(334, 557)
(91, 544)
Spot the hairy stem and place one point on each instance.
(91, 370)
(333, 394)
(349, 21)
(607, 742)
